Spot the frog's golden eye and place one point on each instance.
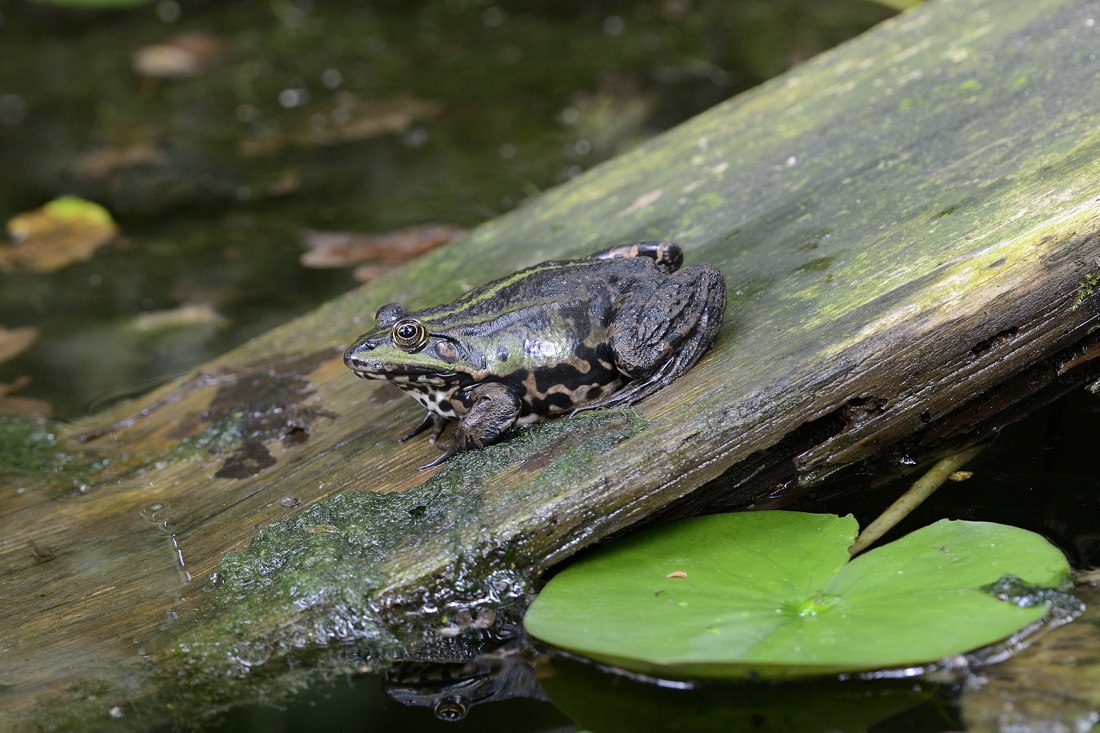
(410, 334)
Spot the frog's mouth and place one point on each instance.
(410, 376)
(399, 374)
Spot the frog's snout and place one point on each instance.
(354, 358)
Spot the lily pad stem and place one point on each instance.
(921, 489)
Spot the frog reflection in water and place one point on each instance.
(558, 337)
(451, 689)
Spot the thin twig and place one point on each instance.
(921, 489)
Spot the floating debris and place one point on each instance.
(387, 249)
(179, 57)
(185, 316)
(350, 120)
(66, 230)
(13, 342)
(102, 162)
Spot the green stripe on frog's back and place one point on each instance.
(492, 290)
(573, 311)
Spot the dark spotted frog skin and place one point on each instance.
(558, 337)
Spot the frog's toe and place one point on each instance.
(439, 460)
(431, 420)
(667, 255)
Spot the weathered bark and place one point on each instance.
(903, 223)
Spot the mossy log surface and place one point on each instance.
(904, 223)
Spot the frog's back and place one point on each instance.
(555, 281)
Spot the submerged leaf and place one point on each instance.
(351, 120)
(13, 342)
(179, 57)
(105, 162)
(341, 249)
(22, 406)
(772, 594)
(187, 315)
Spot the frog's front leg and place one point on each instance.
(431, 420)
(658, 334)
(493, 410)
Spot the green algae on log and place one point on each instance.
(903, 223)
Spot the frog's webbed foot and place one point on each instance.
(493, 411)
(661, 335)
(431, 420)
(667, 255)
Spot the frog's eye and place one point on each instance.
(410, 334)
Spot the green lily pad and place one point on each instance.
(774, 594)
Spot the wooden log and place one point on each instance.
(904, 223)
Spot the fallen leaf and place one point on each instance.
(351, 120)
(179, 57)
(185, 316)
(14, 341)
(104, 162)
(341, 249)
(24, 407)
(357, 121)
(64, 231)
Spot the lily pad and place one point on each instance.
(774, 594)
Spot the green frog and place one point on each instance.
(558, 337)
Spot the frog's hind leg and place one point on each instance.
(661, 334)
(667, 255)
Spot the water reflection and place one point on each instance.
(451, 689)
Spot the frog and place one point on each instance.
(556, 338)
